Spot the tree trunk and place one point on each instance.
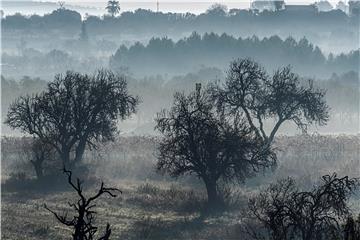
(39, 171)
(211, 188)
(79, 152)
(65, 157)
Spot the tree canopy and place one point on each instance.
(113, 7)
(76, 110)
(250, 92)
(210, 49)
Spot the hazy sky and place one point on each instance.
(196, 1)
(183, 5)
(98, 6)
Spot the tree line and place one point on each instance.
(213, 50)
(149, 21)
(164, 55)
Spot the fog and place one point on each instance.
(163, 49)
(206, 116)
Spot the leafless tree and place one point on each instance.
(82, 223)
(200, 129)
(249, 91)
(198, 140)
(76, 110)
(288, 213)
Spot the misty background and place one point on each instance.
(162, 52)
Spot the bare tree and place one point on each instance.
(288, 213)
(82, 223)
(199, 140)
(76, 110)
(249, 91)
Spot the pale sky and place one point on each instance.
(193, 6)
(189, 1)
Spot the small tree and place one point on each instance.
(40, 152)
(198, 140)
(249, 91)
(82, 223)
(76, 110)
(113, 7)
(288, 213)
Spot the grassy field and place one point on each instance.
(153, 206)
(143, 211)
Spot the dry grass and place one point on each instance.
(141, 212)
(152, 206)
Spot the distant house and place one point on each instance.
(268, 5)
(261, 5)
(324, 6)
(301, 8)
(354, 8)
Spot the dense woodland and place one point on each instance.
(316, 44)
(217, 50)
(234, 21)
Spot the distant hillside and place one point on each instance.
(163, 55)
(332, 31)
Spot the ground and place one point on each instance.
(143, 211)
(153, 206)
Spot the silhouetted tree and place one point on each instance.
(76, 110)
(82, 223)
(40, 152)
(201, 141)
(288, 213)
(248, 91)
(113, 7)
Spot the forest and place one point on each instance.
(217, 50)
(227, 124)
